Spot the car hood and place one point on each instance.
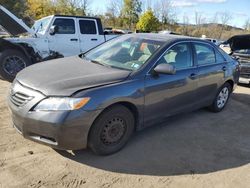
(239, 42)
(65, 76)
(12, 24)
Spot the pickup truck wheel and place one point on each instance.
(11, 62)
(221, 98)
(111, 131)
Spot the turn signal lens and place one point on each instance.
(81, 103)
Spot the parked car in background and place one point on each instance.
(50, 37)
(99, 98)
(109, 30)
(215, 41)
(240, 50)
(168, 32)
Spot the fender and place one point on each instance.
(28, 50)
(24, 48)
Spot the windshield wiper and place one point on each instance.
(96, 62)
(121, 68)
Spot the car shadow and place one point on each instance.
(194, 143)
(242, 97)
(244, 85)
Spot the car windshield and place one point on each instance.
(41, 26)
(125, 52)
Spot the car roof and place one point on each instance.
(167, 37)
(87, 17)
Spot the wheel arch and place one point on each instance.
(27, 50)
(132, 107)
(231, 82)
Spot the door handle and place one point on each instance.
(73, 39)
(193, 76)
(94, 39)
(224, 68)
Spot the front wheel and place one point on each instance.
(221, 98)
(11, 62)
(111, 131)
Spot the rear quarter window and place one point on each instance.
(219, 57)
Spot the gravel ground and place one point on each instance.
(198, 149)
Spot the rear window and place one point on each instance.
(87, 27)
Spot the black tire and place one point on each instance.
(215, 107)
(11, 62)
(120, 120)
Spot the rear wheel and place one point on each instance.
(111, 130)
(11, 62)
(221, 98)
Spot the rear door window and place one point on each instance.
(205, 54)
(87, 27)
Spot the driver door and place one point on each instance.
(166, 95)
(65, 40)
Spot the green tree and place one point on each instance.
(16, 7)
(38, 9)
(72, 7)
(148, 22)
(131, 11)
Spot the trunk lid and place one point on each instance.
(12, 24)
(239, 42)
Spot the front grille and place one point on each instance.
(245, 70)
(20, 99)
(245, 76)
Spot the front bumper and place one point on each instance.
(244, 80)
(66, 130)
(245, 73)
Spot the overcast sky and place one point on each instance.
(240, 9)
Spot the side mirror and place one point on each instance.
(165, 68)
(53, 30)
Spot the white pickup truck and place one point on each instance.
(50, 37)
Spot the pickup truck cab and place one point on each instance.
(50, 37)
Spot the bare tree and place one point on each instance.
(114, 9)
(185, 30)
(224, 18)
(198, 17)
(165, 12)
(212, 31)
(73, 6)
(247, 24)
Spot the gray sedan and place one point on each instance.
(98, 99)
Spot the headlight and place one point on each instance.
(61, 104)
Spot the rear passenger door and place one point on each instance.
(89, 34)
(211, 72)
(65, 41)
